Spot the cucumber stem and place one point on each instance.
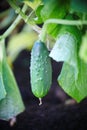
(43, 33)
(40, 101)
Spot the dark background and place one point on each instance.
(57, 111)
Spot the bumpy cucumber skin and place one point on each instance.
(40, 70)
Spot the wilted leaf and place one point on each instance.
(65, 50)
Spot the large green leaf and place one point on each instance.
(73, 77)
(54, 9)
(12, 104)
(75, 88)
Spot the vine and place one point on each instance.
(23, 16)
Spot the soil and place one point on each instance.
(56, 112)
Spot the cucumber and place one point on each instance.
(40, 70)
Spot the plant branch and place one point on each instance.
(19, 11)
(16, 8)
(14, 24)
(67, 22)
(60, 21)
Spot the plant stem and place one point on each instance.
(67, 22)
(43, 33)
(14, 24)
(19, 11)
(44, 29)
(60, 21)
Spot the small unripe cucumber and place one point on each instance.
(40, 70)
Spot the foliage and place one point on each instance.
(62, 25)
(10, 100)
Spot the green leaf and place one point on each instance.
(77, 89)
(83, 49)
(12, 104)
(73, 77)
(2, 87)
(38, 19)
(53, 9)
(65, 50)
(79, 5)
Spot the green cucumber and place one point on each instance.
(40, 70)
